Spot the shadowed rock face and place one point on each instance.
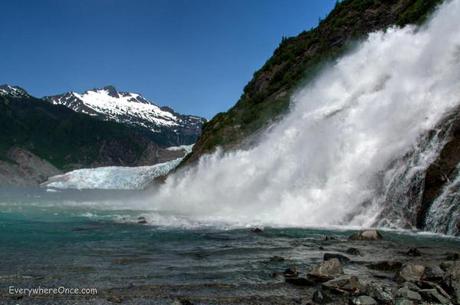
(442, 170)
(25, 169)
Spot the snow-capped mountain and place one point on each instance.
(133, 109)
(13, 91)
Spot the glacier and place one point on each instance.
(111, 177)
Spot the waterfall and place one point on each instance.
(353, 137)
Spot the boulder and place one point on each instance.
(346, 284)
(342, 258)
(410, 272)
(432, 295)
(141, 220)
(363, 300)
(406, 293)
(257, 230)
(382, 294)
(433, 273)
(326, 270)
(320, 298)
(366, 235)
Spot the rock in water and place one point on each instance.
(366, 235)
(342, 258)
(326, 270)
(320, 298)
(410, 272)
(291, 272)
(353, 251)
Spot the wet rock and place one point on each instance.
(326, 270)
(277, 259)
(431, 285)
(353, 251)
(320, 297)
(414, 252)
(328, 238)
(321, 248)
(299, 281)
(433, 273)
(406, 293)
(342, 258)
(363, 300)
(410, 272)
(141, 220)
(452, 279)
(256, 230)
(346, 284)
(291, 272)
(366, 235)
(382, 294)
(432, 295)
(386, 266)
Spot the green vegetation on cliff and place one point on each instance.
(297, 59)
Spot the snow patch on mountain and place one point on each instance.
(129, 108)
(13, 91)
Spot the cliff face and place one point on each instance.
(296, 60)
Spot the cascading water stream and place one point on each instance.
(326, 162)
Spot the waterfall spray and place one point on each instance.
(324, 163)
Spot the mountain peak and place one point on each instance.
(111, 90)
(13, 91)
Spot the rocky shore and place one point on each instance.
(364, 268)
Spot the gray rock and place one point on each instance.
(363, 300)
(320, 298)
(366, 235)
(433, 273)
(382, 294)
(346, 284)
(326, 270)
(414, 252)
(410, 272)
(401, 301)
(432, 295)
(406, 293)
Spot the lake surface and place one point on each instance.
(65, 239)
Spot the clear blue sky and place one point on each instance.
(193, 55)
